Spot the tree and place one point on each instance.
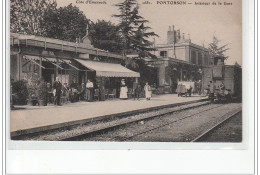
(216, 50)
(132, 29)
(130, 63)
(25, 15)
(66, 23)
(147, 73)
(103, 35)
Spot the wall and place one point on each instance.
(169, 49)
(181, 53)
(204, 55)
(161, 74)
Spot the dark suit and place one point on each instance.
(82, 90)
(57, 86)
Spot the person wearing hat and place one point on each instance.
(81, 92)
(49, 93)
(212, 87)
(123, 90)
(57, 91)
(199, 87)
(73, 91)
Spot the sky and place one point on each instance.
(201, 22)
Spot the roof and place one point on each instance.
(32, 40)
(181, 44)
(108, 69)
(169, 59)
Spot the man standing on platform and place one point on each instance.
(199, 87)
(212, 87)
(57, 91)
(89, 91)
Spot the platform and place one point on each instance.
(27, 119)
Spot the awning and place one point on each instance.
(50, 60)
(37, 58)
(108, 69)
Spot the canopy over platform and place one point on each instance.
(108, 69)
(50, 43)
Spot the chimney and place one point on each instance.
(189, 40)
(178, 35)
(170, 35)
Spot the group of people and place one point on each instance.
(72, 93)
(212, 87)
(137, 90)
(85, 92)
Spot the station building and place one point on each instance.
(72, 62)
(179, 59)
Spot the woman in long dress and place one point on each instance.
(89, 91)
(123, 90)
(148, 91)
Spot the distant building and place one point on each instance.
(180, 54)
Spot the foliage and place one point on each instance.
(32, 80)
(216, 50)
(132, 28)
(42, 91)
(147, 73)
(130, 63)
(66, 23)
(26, 15)
(19, 92)
(104, 36)
(171, 70)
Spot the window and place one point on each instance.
(200, 59)
(206, 60)
(193, 57)
(163, 54)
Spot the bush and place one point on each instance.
(32, 80)
(42, 91)
(19, 93)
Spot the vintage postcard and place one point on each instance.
(110, 78)
(126, 70)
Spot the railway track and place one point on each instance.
(207, 133)
(182, 126)
(111, 130)
(93, 128)
(135, 120)
(169, 123)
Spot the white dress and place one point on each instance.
(123, 92)
(148, 92)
